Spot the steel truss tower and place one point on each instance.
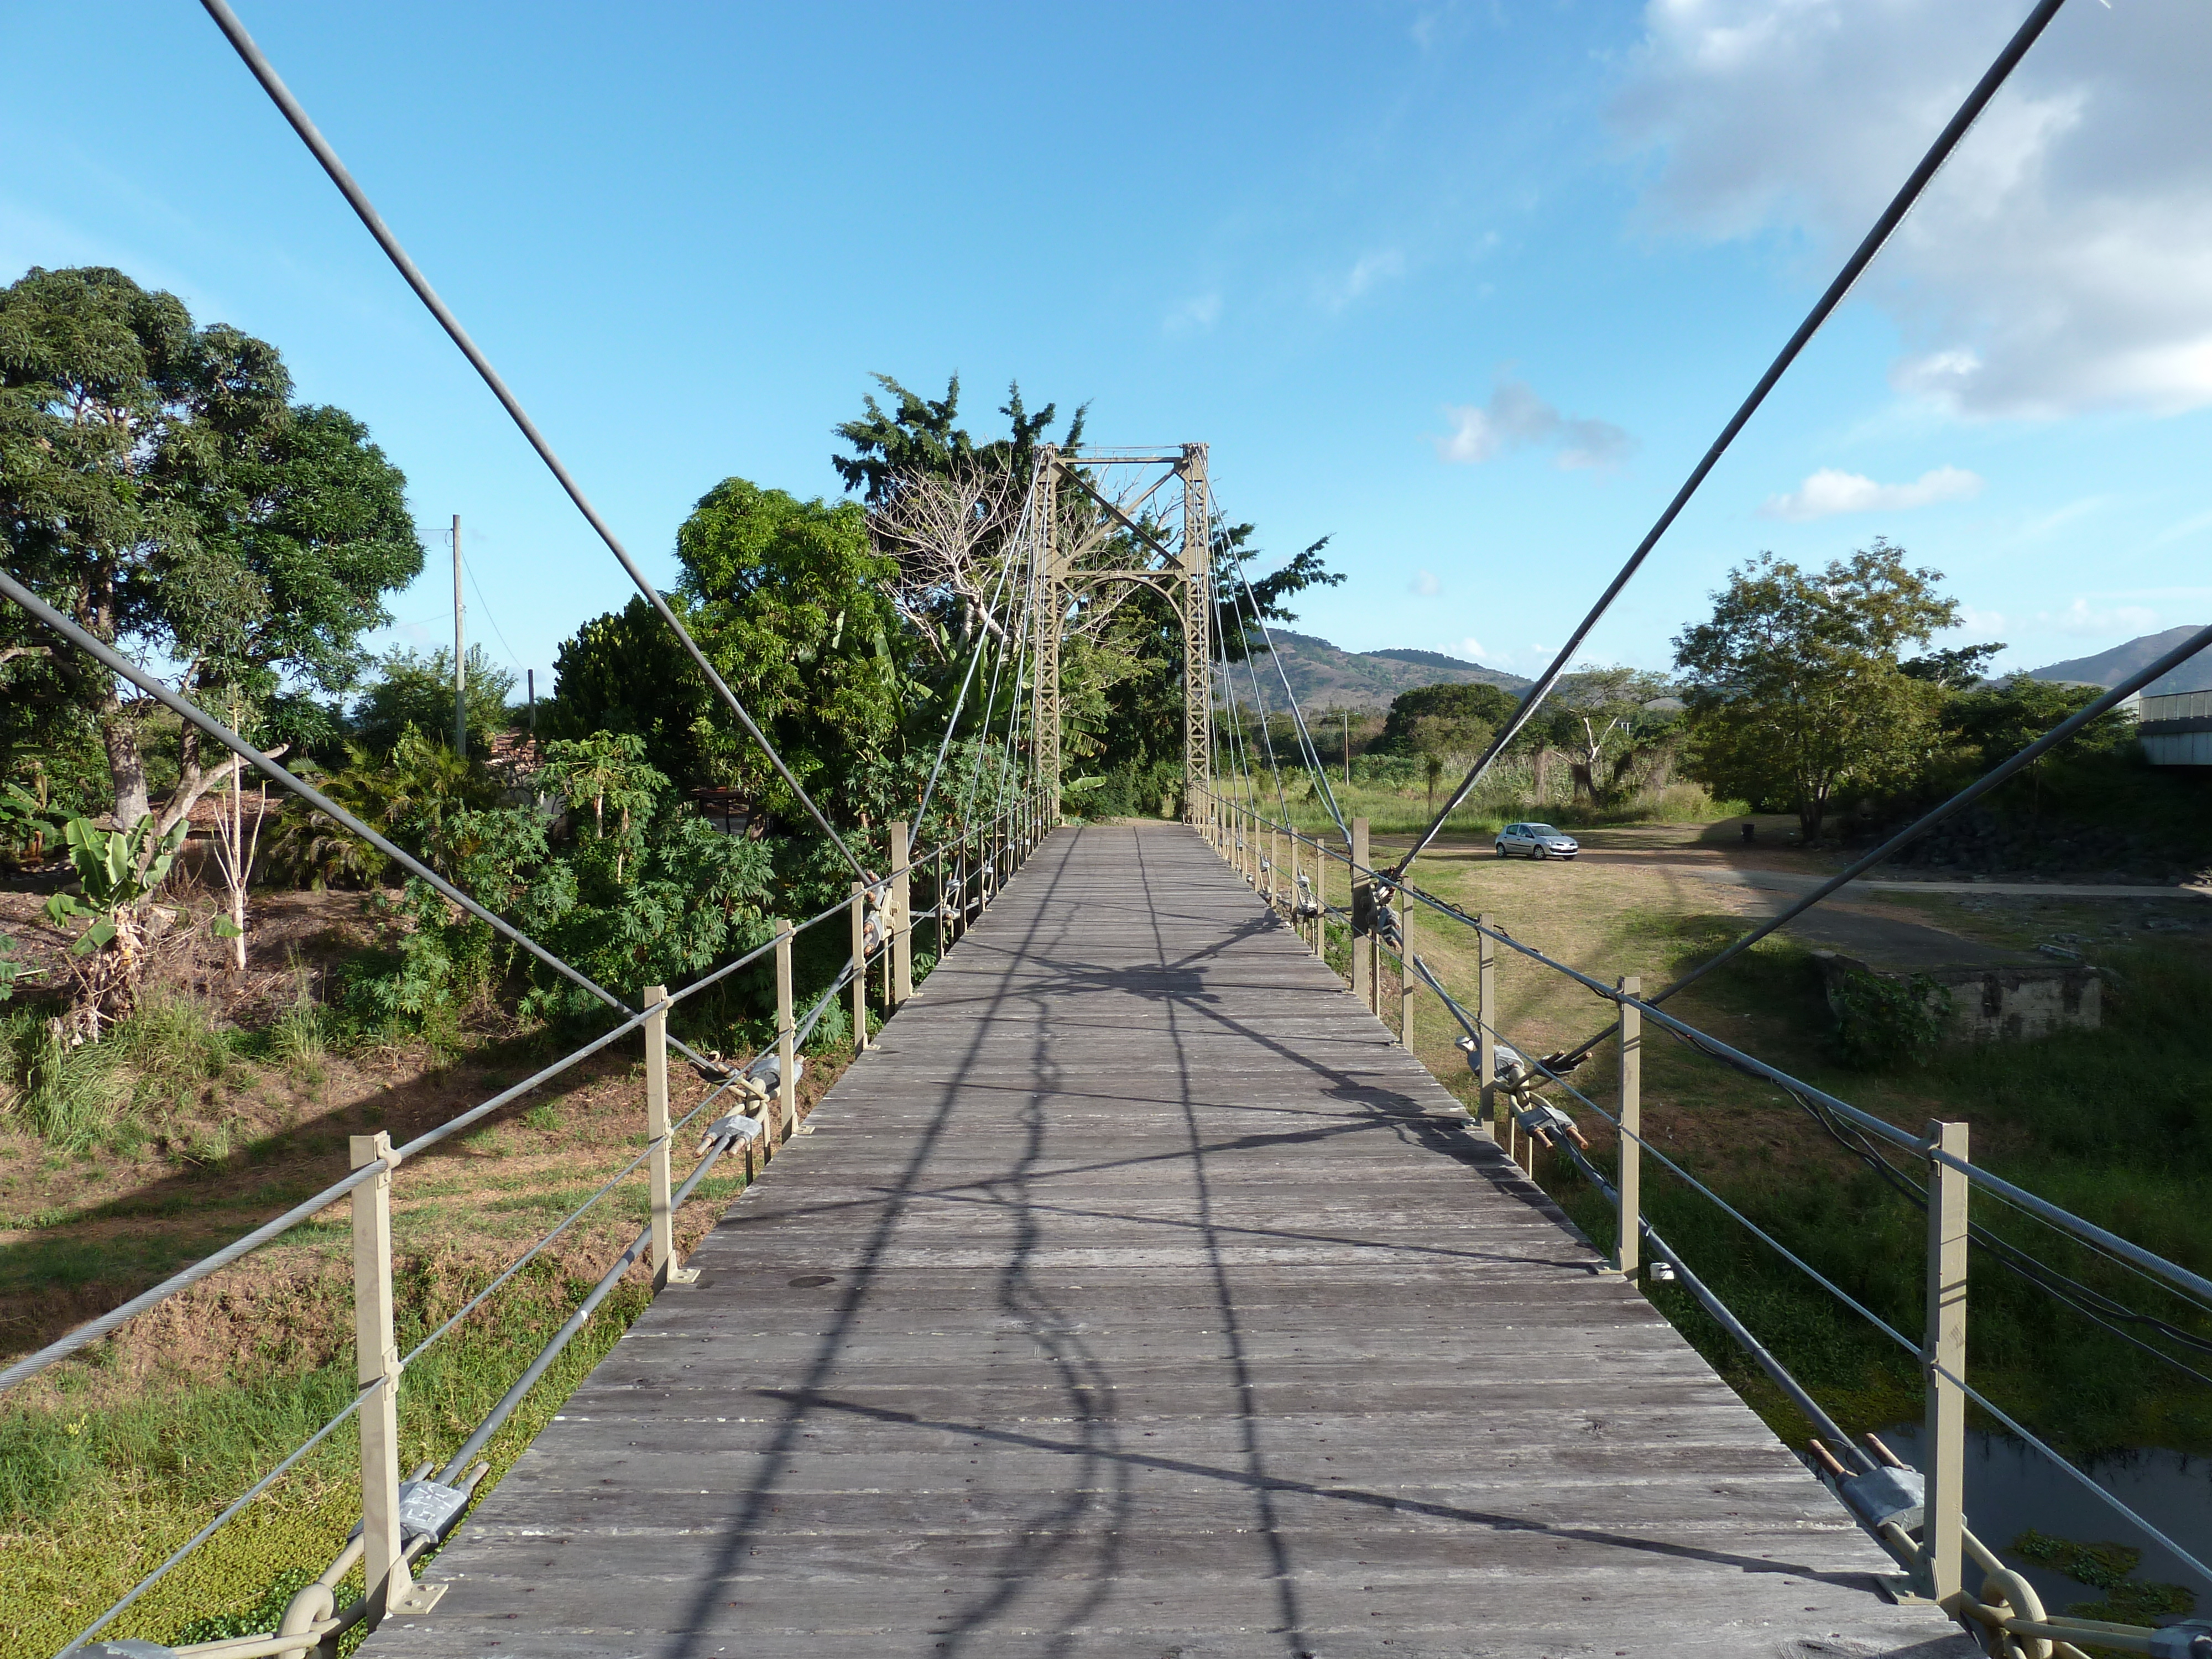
(1062, 573)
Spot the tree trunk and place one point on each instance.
(127, 766)
(1812, 808)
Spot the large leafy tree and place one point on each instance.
(788, 600)
(158, 485)
(412, 689)
(1794, 688)
(1447, 719)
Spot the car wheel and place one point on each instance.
(1543, 855)
(1501, 849)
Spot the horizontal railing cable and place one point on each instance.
(540, 1363)
(92, 1330)
(1892, 216)
(309, 134)
(1996, 775)
(2040, 1208)
(2086, 1231)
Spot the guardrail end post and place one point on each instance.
(1628, 1178)
(386, 1582)
(1943, 1362)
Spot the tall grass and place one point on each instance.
(1393, 804)
(92, 1498)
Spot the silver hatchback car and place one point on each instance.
(1535, 840)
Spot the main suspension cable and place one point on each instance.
(281, 96)
(1861, 256)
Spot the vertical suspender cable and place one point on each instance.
(281, 96)
(1861, 256)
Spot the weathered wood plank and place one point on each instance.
(1139, 1296)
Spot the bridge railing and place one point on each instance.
(403, 1517)
(1918, 1518)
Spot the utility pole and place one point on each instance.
(461, 660)
(1347, 739)
(530, 680)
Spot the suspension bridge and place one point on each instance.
(1135, 1291)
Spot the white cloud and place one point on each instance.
(2085, 621)
(1199, 313)
(1829, 492)
(1366, 272)
(2063, 259)
(1425, 584)
(1470, 647)
(2181, 531)
(1515, 417)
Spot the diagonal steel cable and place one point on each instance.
(1861, 256)
(2200, 641)
(281, 96)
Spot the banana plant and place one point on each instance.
(108, 867)
(119, 870)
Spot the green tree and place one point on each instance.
(1794, 690)
(789, 601)
(623, 671)
(1959, 668)
(1604, 719)
(923, 437)
(410, 689)
(607, 769)
(158, 485)
(1421, 720)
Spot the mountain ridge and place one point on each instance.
(2108, 668)
(1324, 676)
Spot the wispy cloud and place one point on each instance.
(2090, 622)
(1516, 418)
(1425, 584)
(1368, 270)
(1194, 315)
(2186, 528)
(1830, 491)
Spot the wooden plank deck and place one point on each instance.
(1139, 1296)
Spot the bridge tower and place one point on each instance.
(1065, 564)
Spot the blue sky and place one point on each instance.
(1467, 288)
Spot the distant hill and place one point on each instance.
(2110, 667)
(1323, 676)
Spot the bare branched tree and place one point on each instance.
(950, 534)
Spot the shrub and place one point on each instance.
(1881, 1021)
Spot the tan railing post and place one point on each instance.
(901, 916)
(1628, 1180)
(376, 1356)
(1363, 940)
(1405, 968)
(665, 1270)
(787, 1063)
(1485, 1040)
(1943, 1362)
(1275, 867)
(1321, 903)
(860, 968)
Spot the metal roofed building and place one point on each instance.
(2177, 728)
